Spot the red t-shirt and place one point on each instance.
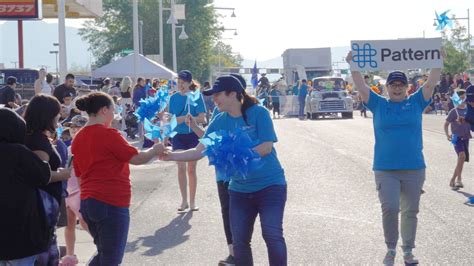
(101, 159)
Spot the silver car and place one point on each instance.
(327, 98)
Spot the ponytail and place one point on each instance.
(194, 85)
(247, 102)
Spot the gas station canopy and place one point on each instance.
(74, 8)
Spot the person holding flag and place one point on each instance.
(254, 79)
(460, 135)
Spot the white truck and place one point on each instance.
(299, 64)
(328, 95)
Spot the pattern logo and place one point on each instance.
(364, 55)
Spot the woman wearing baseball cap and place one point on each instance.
(186, 138)
(399, 165)
(263, 191)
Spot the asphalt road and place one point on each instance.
(332, 214)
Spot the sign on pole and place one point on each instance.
(396, 54)
(20, 9)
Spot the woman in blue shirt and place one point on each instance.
(180, 106)
(263, 191)
(399, 165)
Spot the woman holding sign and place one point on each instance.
(399, 172)
(263, 190)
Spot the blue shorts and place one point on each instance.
(184, 141)
(462, 145)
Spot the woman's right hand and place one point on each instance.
(349, 57)
(159, 148)
(450, 137)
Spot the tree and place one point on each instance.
(456, 47)
(110, 34)
(222, 53)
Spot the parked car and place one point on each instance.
(328, 97)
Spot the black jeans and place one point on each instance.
(223, 190)
(276, 108)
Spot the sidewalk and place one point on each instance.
(84, 247)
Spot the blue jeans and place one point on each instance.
(302, 104)
(108, 226)
(28, 261)
(269, 203)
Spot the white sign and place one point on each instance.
(180, 11)
(396, 54)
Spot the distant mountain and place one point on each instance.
(337, 55)
(38, 39)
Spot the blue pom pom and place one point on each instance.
(153, 104)
(232, 153)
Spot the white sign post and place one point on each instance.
(396, 54)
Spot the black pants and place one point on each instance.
(223, 190)
(276, 108)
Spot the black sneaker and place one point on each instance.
(227, 261)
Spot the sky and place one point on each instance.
(266, 28)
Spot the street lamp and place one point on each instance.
(173, 21)
(235, 30)
(56, 53)
(140, 32)
(183, 35)
(223, 8)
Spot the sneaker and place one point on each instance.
(459, 184)
(409, 259)
(227, 261)
(390, 258)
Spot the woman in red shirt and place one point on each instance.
(101, 158)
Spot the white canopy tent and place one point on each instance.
(124, 67)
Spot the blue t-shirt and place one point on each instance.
(179, 107)
(295, 90)
(260, 128)
(275, 95)
(138, 94)
(303, 92)
(398, 132)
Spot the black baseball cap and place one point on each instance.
(397, 76)
(224, 83)
(11, 80)
(185, 75)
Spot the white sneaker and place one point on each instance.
(409, 259)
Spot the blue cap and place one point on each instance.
(241, 79)
(224, 83)
(397, 76)
(185, 75)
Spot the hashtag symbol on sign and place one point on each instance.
(364, 55)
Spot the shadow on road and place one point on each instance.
(467, 195)
(164, 238)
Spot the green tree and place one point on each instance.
(110, 34)
(222, 53)
(456, 46)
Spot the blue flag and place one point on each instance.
(254, 75)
